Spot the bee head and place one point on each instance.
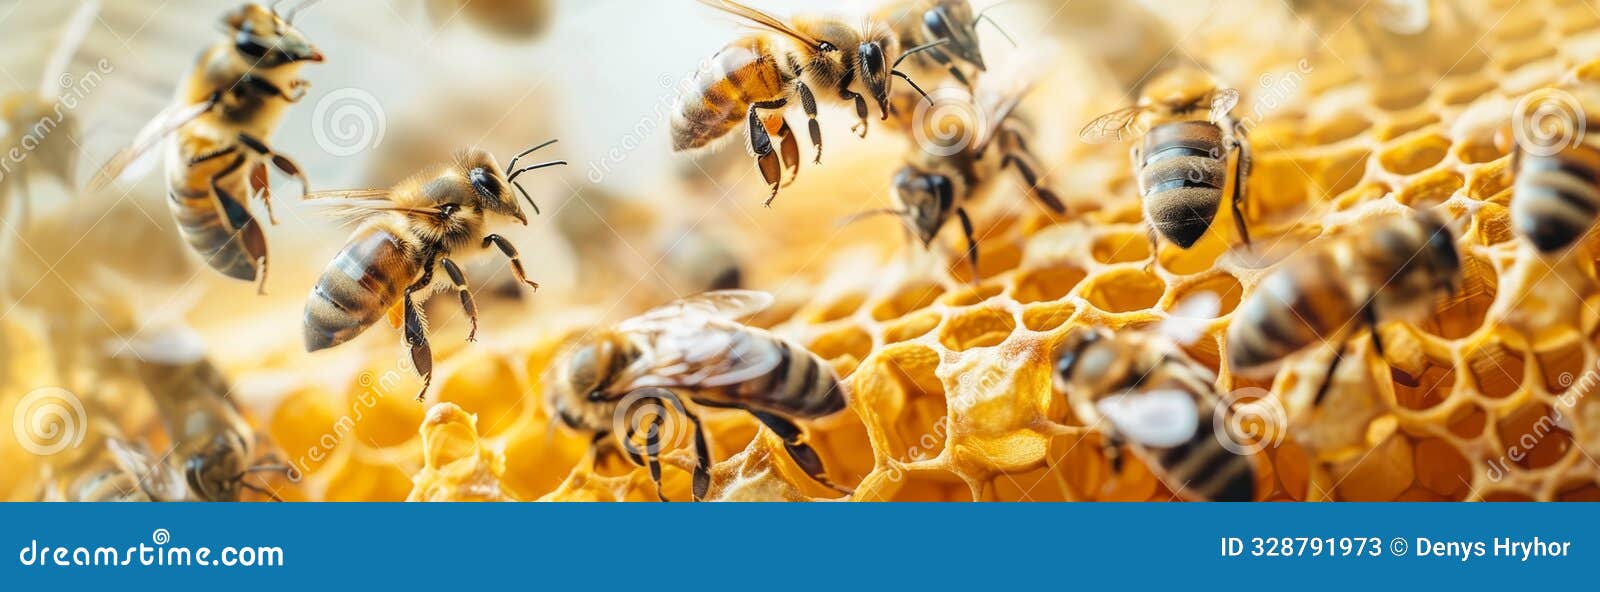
(875, 73)
(265, 39)
(581, 379)
(493, 185)
(927, 200)
(216, 473)
(1088, 358)
(953, 20)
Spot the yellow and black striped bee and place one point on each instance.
(1139, 388)
(227, 106)
(213, 444)
(693, 349)
(41, 123)
(921, 22)
(405, 232)
(121, 471)
(934, 185)
(754, 79)
(1389, 270)
(1181, 163)
(1556, 191)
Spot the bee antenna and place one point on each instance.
(983, 17)
(913, 84)
(859, 216)
(259, 489)
(513, 175)
(289, 18)
(923, 47)
(513, 163)
(526, 196)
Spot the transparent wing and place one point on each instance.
(1188, 319)
(1160, 418)
(165, 123)
(705, 352)
(1223, 100)
(720, 304)
(1404, 17)
(72, 35)
(159, 480)
(1111, 127)
(998, 115)
(357, 205)
(759, 19)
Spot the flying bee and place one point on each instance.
(213, 444)
(517, 20)
(1181, 164)
(405, 232)
(933, 185)
(1139, 388)
(755, 78)
(1556, 191)
(1389, 270)
(693, 349)
(216, 149)
(40, 124)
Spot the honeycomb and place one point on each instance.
(949, 375)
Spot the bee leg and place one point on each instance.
(1369, 315)
(702, 452)
(808, 103)
(263, 189)
(972, 243)
(802, 453)
(1327, 379)
(417, 339)
(1111, 447)
(789, 150)
(1241, 175)
(240, 220)
(761, 147)
(279, 161)
(955, 73)
(510, 253)
(460, 281)
(213, 155)
(1026, 167)
(860, 128)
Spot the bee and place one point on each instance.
(754, 78)
(217, 154)
(1181, 165)
(1389, 270)
(1139, 388)
(1556, 188)
(405, 233)
(694, 349)
(213, 444)
(43, 126)
(516, 20)
(934, 185)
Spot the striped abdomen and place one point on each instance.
(744, 72)
(217, 225)
(802, 386)
(1183, 173)
(1300, 304)
(1556, 197)
(1203, 469)
(365, 280)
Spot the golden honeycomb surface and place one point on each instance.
(948, 376)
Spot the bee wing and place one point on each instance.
(998, 116)
(706, 353)
(159, 480)
(165, 123)
(359, 204)
(1188, 319)
(1111, 126)
(760, 19)
(1160, 418)
(1404, 17)
(72, 35)
(719, 304)
(1223, 100)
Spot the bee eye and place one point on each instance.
(249, 45)
(484, 183)
(825, 46)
